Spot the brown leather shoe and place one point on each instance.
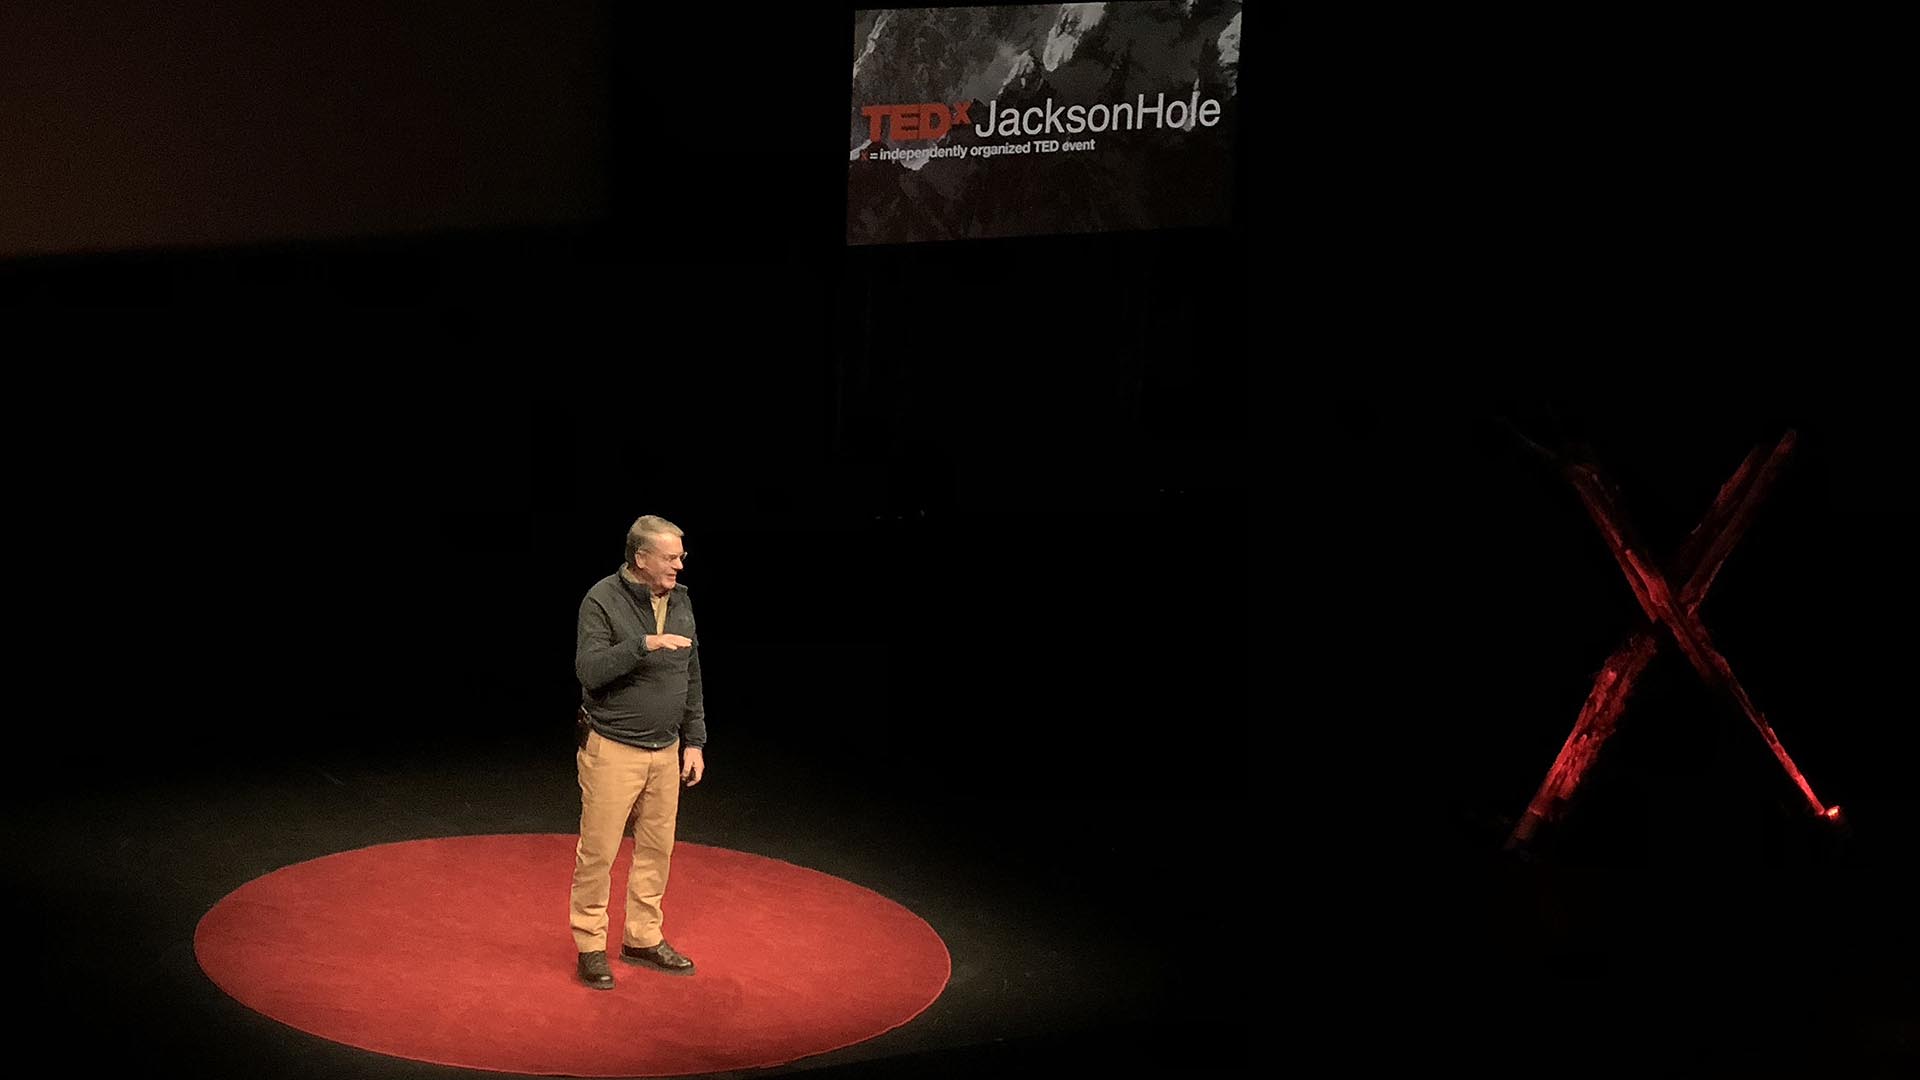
(663, 956)
(594, 970)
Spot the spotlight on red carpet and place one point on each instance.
(456, 950)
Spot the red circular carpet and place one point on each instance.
(457, 951)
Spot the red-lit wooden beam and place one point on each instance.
(1697, 563)
(1657, 600)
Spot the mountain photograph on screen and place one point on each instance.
(969, 123)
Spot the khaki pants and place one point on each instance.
(614, 777)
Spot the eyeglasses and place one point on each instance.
(671, 559)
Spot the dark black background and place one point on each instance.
(346, 491)
(1060, 521)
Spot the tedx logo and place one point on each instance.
(905, 123)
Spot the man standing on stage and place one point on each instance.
(643, 731)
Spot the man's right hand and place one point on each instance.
(668, 641)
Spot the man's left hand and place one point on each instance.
(693, 765)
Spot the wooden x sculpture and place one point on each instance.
(1694, 565)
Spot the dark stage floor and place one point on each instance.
(1715, 967)
(1702, 969)
(1058, 963)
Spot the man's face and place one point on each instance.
(660, 564)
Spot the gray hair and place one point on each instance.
(644, 532)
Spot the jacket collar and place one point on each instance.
(640, 592)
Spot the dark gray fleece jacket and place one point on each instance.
(641, 698)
